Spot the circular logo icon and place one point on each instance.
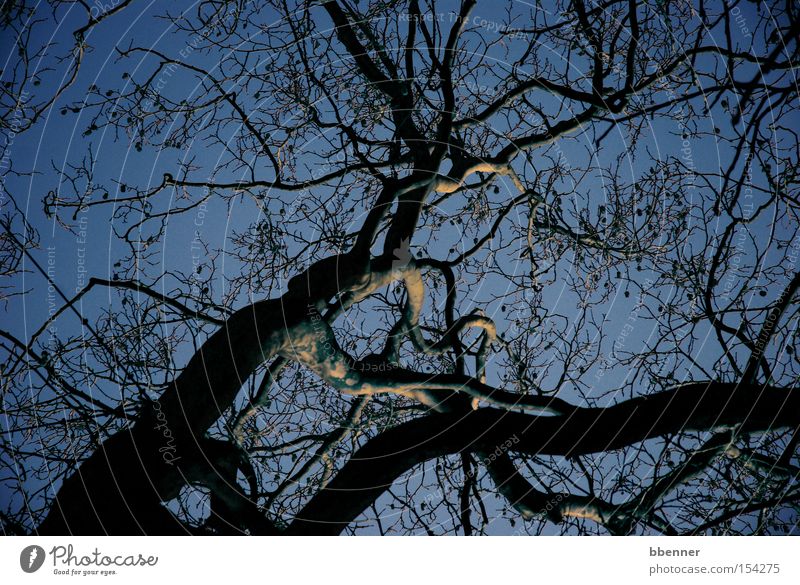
(31, 558)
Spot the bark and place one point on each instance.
(692, 407)
(118, 489)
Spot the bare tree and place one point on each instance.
(404, 267)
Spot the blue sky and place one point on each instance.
(191, 241)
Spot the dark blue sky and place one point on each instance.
(191, 241)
